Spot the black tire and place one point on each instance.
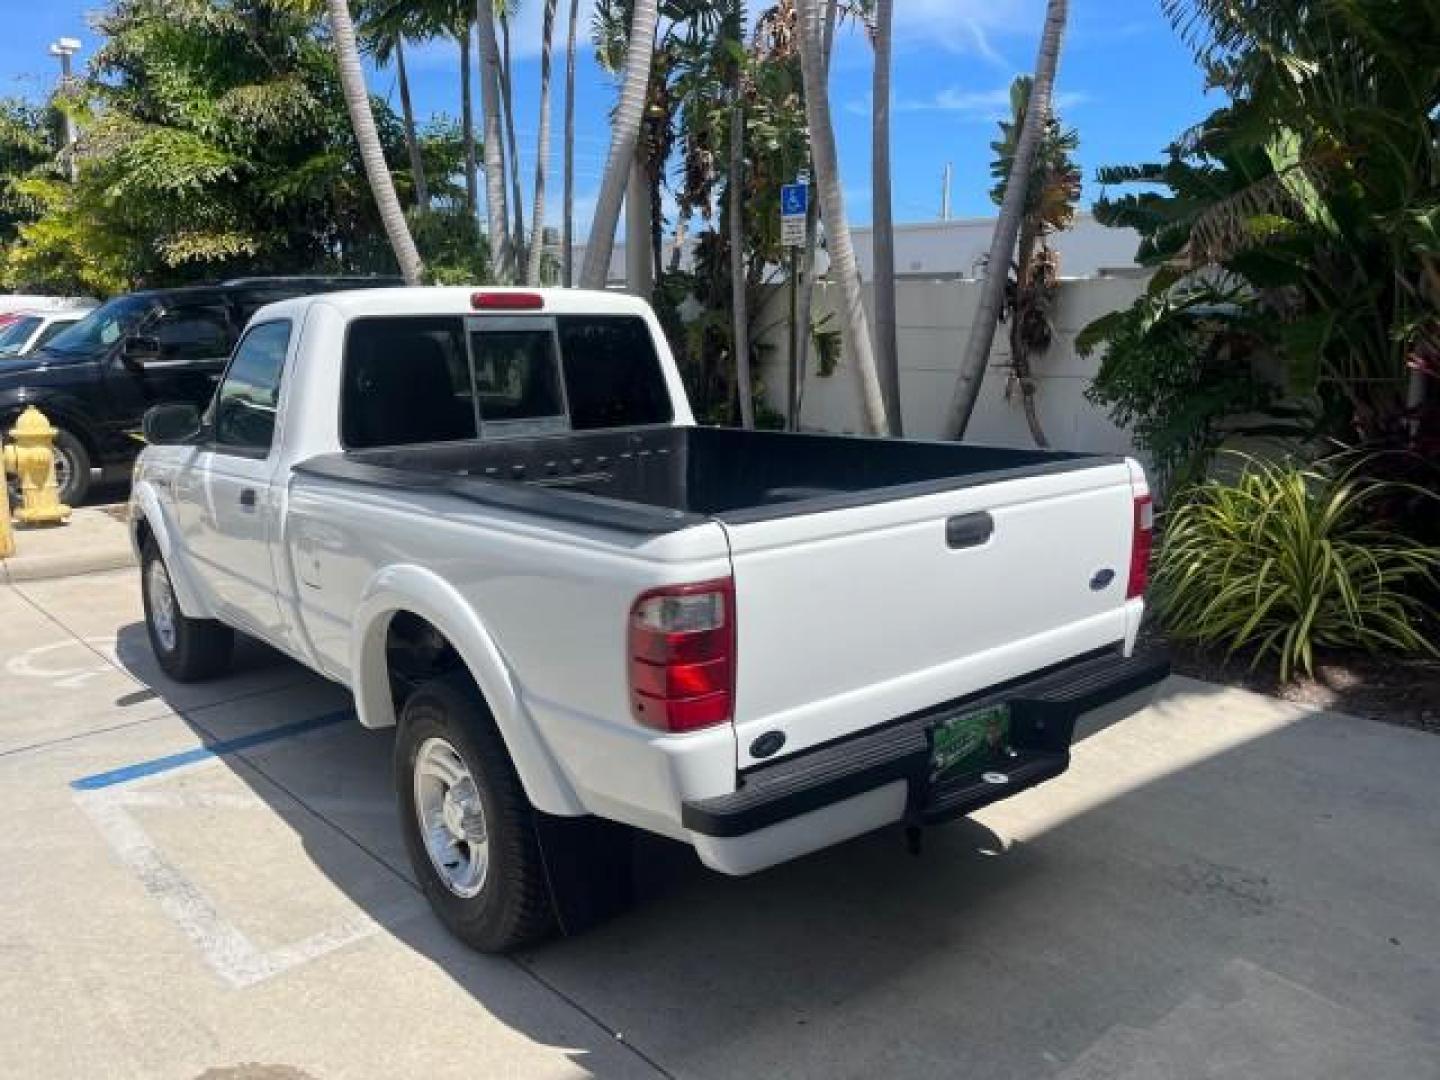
(72, 468)
(512, 906)
(195, 649)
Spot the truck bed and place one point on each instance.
(656, 480)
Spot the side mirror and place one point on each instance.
(171, 424)
(137, 350)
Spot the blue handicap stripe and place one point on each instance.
(216, 749)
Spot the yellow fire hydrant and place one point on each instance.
(7, 537)
(30, 456)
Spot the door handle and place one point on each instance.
(969, 530)
(247, 498)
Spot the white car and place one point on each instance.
(28, 331)
(491, 515)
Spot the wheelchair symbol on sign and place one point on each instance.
(792, 199)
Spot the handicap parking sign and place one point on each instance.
(793, 199)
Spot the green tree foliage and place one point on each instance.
(1299, 222)
(27, 140)
(214, 141)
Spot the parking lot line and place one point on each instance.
(126, 773)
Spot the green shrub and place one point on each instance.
(1283, 559)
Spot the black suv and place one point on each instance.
(95, 381)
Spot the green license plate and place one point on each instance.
(969, 741)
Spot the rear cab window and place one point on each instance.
(409, 380)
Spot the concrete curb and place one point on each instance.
(92, 542)
(65, 564)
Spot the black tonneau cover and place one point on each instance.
(658, 480)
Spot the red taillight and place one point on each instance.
(506, 301)
(1140, 541)
(682, 656)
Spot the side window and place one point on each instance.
(406, 381)
(517, 380)
(246, 402)
(193, 333)
(50, 331)
(613, 376)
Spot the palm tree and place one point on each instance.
(886, 349)
(625, 130)
(740, 317)
(1052, 192)
(805, 301)
(504, 11)
(362, 120)
(496, 213)
(567, 241)
(542, 151)
(832, 206)
(1007, 226)
(412, 140)
(467, 117)
(383, 29)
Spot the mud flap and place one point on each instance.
(589, 869)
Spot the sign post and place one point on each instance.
(794, 202)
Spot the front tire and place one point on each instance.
(72, 468)
(188, 650)
(468, 827)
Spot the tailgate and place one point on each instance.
(848, 618)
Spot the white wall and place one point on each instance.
(958, 247)
(934, 319)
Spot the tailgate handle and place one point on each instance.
(969, 530)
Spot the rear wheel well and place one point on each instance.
(415, 652)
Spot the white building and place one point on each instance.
(957, 249)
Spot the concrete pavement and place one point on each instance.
(1222, 886)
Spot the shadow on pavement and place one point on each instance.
(1181, 903)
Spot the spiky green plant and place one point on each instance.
(1285, 560)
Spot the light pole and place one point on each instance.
(65, 48)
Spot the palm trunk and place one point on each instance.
(739, 315)
(517, 237)
(625, 131)
(497, 215)
(1007, 226)
(639, 269)
(362, 120)
(806, 301)
(837, 227)
(887, 356)
(542, 152)
(467, 125)
(412, 140)
(1019, 351)
(657, 223)
(567, 240)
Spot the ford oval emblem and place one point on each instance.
(767, 744)
(1101, 579)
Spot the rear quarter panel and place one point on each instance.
(552, 598)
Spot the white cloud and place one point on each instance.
(976, 104)
(966, 26)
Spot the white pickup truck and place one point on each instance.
(491, 515)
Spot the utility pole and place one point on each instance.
(945, 193)
(65, 48)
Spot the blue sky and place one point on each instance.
(1125, 82)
